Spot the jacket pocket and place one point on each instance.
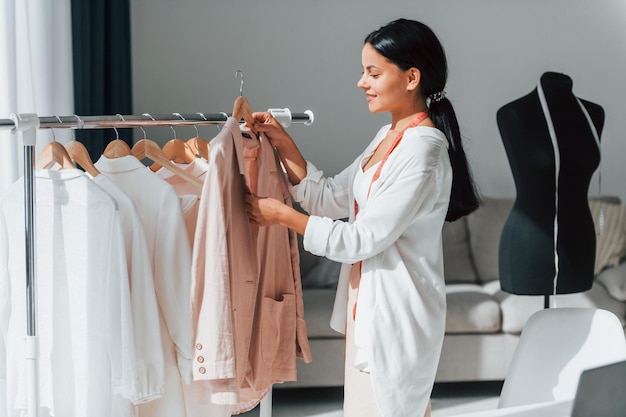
(278, 330)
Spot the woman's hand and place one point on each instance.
(292, 159)
(263, 211)
(273, 130)
(266, 211)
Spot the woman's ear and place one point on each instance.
(414, 77)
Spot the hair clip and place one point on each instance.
(437, 96)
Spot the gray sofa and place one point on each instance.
(483, 323)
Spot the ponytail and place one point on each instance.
(464, 196)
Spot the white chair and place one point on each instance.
(555, 346)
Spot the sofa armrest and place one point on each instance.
(614, 280)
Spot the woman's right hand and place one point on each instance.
(273, 130)
(290, 155)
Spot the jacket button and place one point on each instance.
(200, 359)
(199, 346)
(202, 370)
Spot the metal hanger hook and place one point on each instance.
(196, 127)
(117, 134)
(80, 124)
(54, 137)
(180, 116)
(219, 127)
(144, 132)
(239, 74)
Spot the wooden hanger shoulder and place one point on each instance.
(54, 156)
(146, 148)
(79, 154)
(116, 149)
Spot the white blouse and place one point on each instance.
(170, 258)
(145, 310)
(400, 318)
(84, 321)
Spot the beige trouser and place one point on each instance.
(359, 399)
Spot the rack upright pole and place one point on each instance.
(27, 124)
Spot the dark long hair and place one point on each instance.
(411, 44)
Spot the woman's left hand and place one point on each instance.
(263, 211)
(267, 211)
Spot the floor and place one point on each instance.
(447, 400)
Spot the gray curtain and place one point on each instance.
(102, 67)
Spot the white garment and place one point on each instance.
(84, 317)
(145, 310)
(400, 318)
(170, 257)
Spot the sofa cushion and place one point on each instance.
(614, 281)
(471, 310)
(318, 306)
(517, 309)
(610, 223)
(485, 228)
(457, 258)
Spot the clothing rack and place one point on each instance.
(28, 124)
(283, 115)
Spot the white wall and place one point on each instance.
(306, 55)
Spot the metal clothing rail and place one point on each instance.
(27, 124)
(283, 115)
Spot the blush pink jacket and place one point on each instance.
(248, 313)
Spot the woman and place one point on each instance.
(391, 295)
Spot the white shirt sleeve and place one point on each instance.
(145, 310)
(118, 326)
(173, 280)
(321, 196)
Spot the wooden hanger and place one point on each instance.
(54, 156)
(241, 107)
(176, 150)
(117, 148)
(146, 148)
(199, 147)
(78, 153)
(242, 110)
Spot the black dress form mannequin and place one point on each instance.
(527, 245)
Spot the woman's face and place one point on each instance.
(387, 88)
